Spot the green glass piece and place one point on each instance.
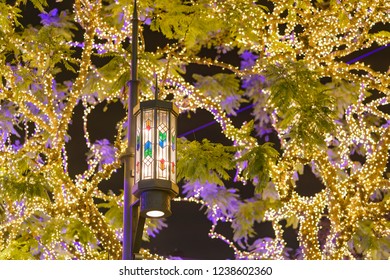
(162, 139)
(148, 149)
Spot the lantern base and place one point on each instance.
(155, 197)
(155, 184)
(155, 204)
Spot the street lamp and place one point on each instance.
(149, 161)
(155, 157)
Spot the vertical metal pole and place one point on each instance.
(130, 213)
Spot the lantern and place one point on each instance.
(155, 157)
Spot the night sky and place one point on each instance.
(187, 232)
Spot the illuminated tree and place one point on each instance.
(292, 56)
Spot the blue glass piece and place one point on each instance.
(148, 149)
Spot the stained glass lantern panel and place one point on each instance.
(148, 144)
(155, 156)
(162, 145)
(138, 148)
(173, 149)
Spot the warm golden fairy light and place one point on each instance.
(322, 37)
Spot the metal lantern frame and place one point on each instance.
(155, 157)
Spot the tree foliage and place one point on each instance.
(287, 59)
(204, 162)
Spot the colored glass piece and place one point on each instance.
(173, 142)
(138, 143)
(162, 164)
(148, 149)
(148, 124)
(162, 139)
(173, 168)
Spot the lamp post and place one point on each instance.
(149, 160)
(130, 211)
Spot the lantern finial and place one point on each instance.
(156, 88)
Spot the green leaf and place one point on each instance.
(204, 161)
(115, 216)
(381, 35)
(39, 4)
(243, 222)
(79, 231)
(68, 66)
(259, 161)
(367, 242)
(222, 86)
(292, 221)
(26, 181)
(270, 192)
(9, 15)
(152, 228)
(305, 106)
(19, 249)
(248, 213)
(185, 21)
(111, 82)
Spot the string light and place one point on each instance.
(322, 36)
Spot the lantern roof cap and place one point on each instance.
(157, 104)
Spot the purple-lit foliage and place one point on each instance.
(222, 202)
(8, 120)
(52, 18)
(254, 86)
(103, 152)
